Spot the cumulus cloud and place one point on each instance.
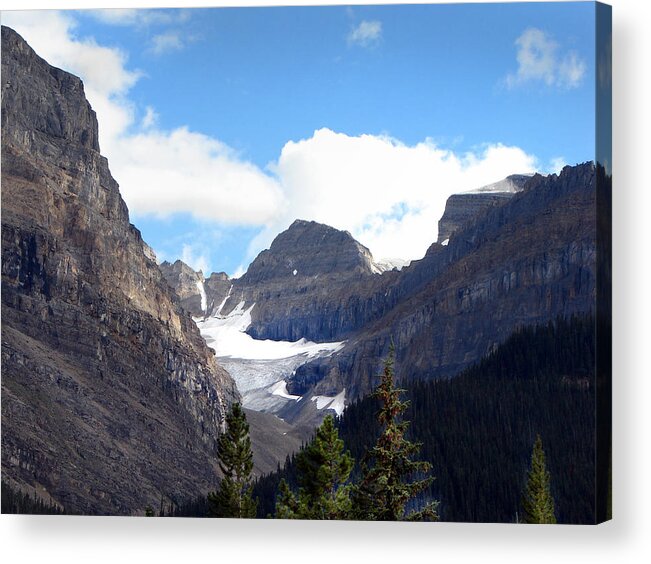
(367, 34)
(150, 118)
(167, 172)
(540, 60)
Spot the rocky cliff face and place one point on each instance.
(110, 397)
(188, 285)
(462, 208)
(218, 287)
(314, 282)
(523, 262)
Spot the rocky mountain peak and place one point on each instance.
(308, 248)
(50, 101)
(181, 268)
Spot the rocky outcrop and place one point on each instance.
(110, 397)
(462, 208)
(188, 285)
(218, 287)
(309, 248)
(524, 262)
(314, 282)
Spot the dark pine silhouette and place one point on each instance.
(477, 428)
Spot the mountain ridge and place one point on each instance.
(105, 378)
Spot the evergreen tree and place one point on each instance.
(537, 500)
(386, 487)
(323, 469)
(234, 497)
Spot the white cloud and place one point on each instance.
(571, 70)
(539, 60)
(165, 172)
(117, 16)
(366, 34)
(556, 165)
(166, 42)
(139, 16)
(196, 258)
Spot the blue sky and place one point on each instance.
(224, 125)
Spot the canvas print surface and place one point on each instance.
(308, 262)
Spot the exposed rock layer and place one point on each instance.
(110, 397)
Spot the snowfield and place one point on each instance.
(336, 403)
(202, 293)
(227, 336)
(260, 367)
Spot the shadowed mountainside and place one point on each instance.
(110, 397)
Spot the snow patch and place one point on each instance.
(501, 186)
(336, 403)
(280, 389)
(444, 243)
(295, 272)
(221, 305)
(204, 298)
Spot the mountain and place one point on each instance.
(517, 252)
(309, 248)
(110, 397)
(525, 261)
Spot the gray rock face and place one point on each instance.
(110, 397)
(309, 249)
(217, 287)
(462, 208)
(314, 282)
(187, 284)
(198, 296)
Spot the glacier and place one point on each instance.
(260, 367)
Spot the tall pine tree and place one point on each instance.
(391, 479)
(234, 497)
(323, 469)
(537, 500)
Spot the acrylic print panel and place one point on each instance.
(308, 262)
